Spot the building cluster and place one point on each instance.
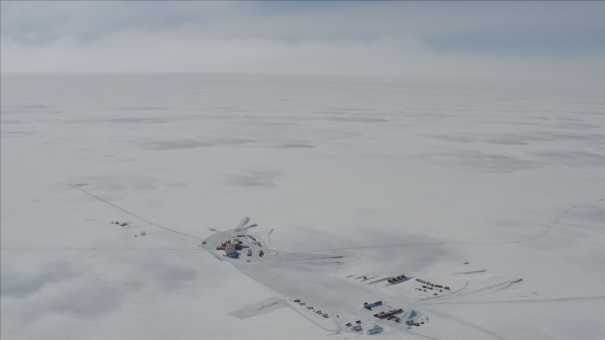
(393, 314)
(370, 306)
(390, 315)
(412, 320)
(430, 287)
(357, 327)
(317, 311)
(235, 246)
(398, 279)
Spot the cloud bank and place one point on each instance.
(392, 38)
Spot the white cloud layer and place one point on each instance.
(422, 39)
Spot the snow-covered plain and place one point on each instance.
(510, 176)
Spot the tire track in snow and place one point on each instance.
(468, 324)
(542, 234)
(596, 298)
(133, 214)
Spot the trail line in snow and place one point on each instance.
(133, 214)
(543, 233)
(468, 324)
(596, 298)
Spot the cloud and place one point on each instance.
(191, 143)
(333, 38)
(18, 284)
(57, 288)
(481, 161)
(85, 290)
(46, 21)
(266, 179)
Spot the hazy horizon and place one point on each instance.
(407, 38)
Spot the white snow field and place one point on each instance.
(501, 180)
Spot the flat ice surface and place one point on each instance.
(507, 176)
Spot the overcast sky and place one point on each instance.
(303, 37)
